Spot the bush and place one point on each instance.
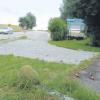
(94, 40)
(58, 29)
(27, 78)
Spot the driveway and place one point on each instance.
(36, 46)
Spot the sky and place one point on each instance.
(11, 10)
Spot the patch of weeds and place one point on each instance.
(27, 77)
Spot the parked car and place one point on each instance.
(7, 30)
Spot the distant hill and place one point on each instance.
(15, 27)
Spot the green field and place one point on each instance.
(76, 45)
(15, 27)
(53, 75)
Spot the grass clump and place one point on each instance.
(27, 77)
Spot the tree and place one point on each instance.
(67, 8)
(31, 19)
(28, 21)
(89, 10)
(23, 22)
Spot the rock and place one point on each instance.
(68, 98)
(60, 95)
(77, 75)
(92, 77)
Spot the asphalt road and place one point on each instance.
(94, 69)
(36, 46)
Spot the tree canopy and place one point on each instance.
(89, 10)
(28, 21)
(67, 8)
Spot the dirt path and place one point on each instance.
(91, 76)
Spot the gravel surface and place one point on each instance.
(11, 36)
(36, 46)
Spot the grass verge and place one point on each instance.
(76, 44)
(15, 27)
(55, 76)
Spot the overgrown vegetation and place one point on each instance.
(26, 78)
(57, 27)
(54, 76)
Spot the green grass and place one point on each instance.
(76, 44)
(15, 27)
(55, 76)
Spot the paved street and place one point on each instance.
(36, 46)
(94, 69)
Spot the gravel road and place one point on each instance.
(36, 46)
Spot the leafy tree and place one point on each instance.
(28, 21)
(89, 10)
(31, 19)
(23, 22)
(67, 8)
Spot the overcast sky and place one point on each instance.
(11, 10)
